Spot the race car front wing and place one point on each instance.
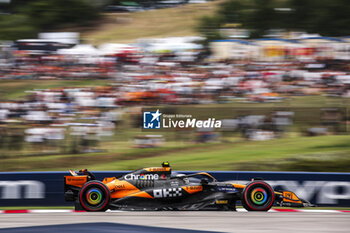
(290, 199)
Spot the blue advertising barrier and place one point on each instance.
(46, 188)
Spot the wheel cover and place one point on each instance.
(94, 196)
(259, 196)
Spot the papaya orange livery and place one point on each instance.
(77, 181)
(157, 188)
(142, 194)
(290, 197)
(193, 189)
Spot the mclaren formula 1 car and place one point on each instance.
(156, 188)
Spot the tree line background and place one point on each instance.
(326, 17)
(27, 18)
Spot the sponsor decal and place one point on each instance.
(142, 177)
(221, 202)
(158, 169)
(163, 176)
(226, 189)
(170, 192)
(76, 179)
(22, 189)
(174, 183)
(196, 187)
(193, 189)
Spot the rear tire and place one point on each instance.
(94, 196)
(257, 196)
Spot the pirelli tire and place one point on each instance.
(94, 196)
(258, 196)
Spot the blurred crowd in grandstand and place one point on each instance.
(162, 72)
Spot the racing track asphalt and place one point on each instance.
(194, 221)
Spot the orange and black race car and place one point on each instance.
(156, 188)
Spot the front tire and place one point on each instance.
(257, 196)
(94, 196)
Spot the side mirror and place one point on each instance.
(204, 181)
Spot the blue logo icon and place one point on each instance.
(151, 120)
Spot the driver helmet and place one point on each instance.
(165, 164)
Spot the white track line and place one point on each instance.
(50, 211)
(40, 211)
